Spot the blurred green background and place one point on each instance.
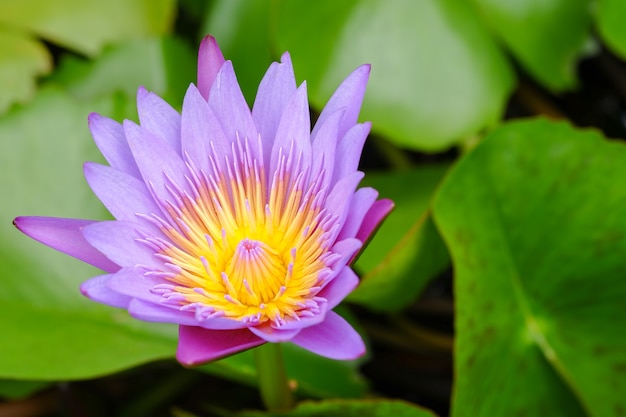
(497, 286)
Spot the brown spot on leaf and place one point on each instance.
(620, 367)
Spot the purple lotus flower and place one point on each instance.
(239, 226)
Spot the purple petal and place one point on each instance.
(339, 198)
(374, 216)
(122, 194)
(294, 128)
(347, 248)
(210, 60)
(202, 134)
(349, 151)
(273, 335)
(133, 283)
(146, 311)
(156, 161)
(343, 284)
(231, 109)
(324, 148)
(221, 323)
(197, 345)
(97, 289)
(349, 95)
(334, 339)
(302, 322)
(65, 235)
(118, 240)
(276, 89)
(157, 116)
(164, 313)
(151, 306)
(110, 139)
(362, 201)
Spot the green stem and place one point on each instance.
(273, 382)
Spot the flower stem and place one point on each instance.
(273, 382)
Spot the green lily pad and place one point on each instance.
(534, 220)
(407, 251)
(546, 36)
(437, 76)
(13, 390)
(51, 330)
(164, 65)
(609, 18)
(86, 26)
(348, 408)
(21, 60)
(242, 29)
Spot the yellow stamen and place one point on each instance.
(243, 251)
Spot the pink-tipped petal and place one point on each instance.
(349, 151)
(362, 201)
(343, 284)
(202, 133)
(276, 89)
(230, 107)
(119, 241)
(334, 339)
(65, 235)
(376, 214)
(97, 289)
(294, 128)
(197, 345)
(349, 95)
(110, 139)
(122, 194)
(273, 335)
(210, 60)
(159, 118)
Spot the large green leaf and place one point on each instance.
(609, 18)
(163, 65)
(242, 28)
(12, 389)
(43, 148)
(437, 76)
(87, 25)
(348, 408)
(546, 36)
(22, 58)
(534, 219)
(49, 330)
(82, 25)
(407, 251)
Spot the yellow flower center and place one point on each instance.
(240, 251)
(256, 272)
